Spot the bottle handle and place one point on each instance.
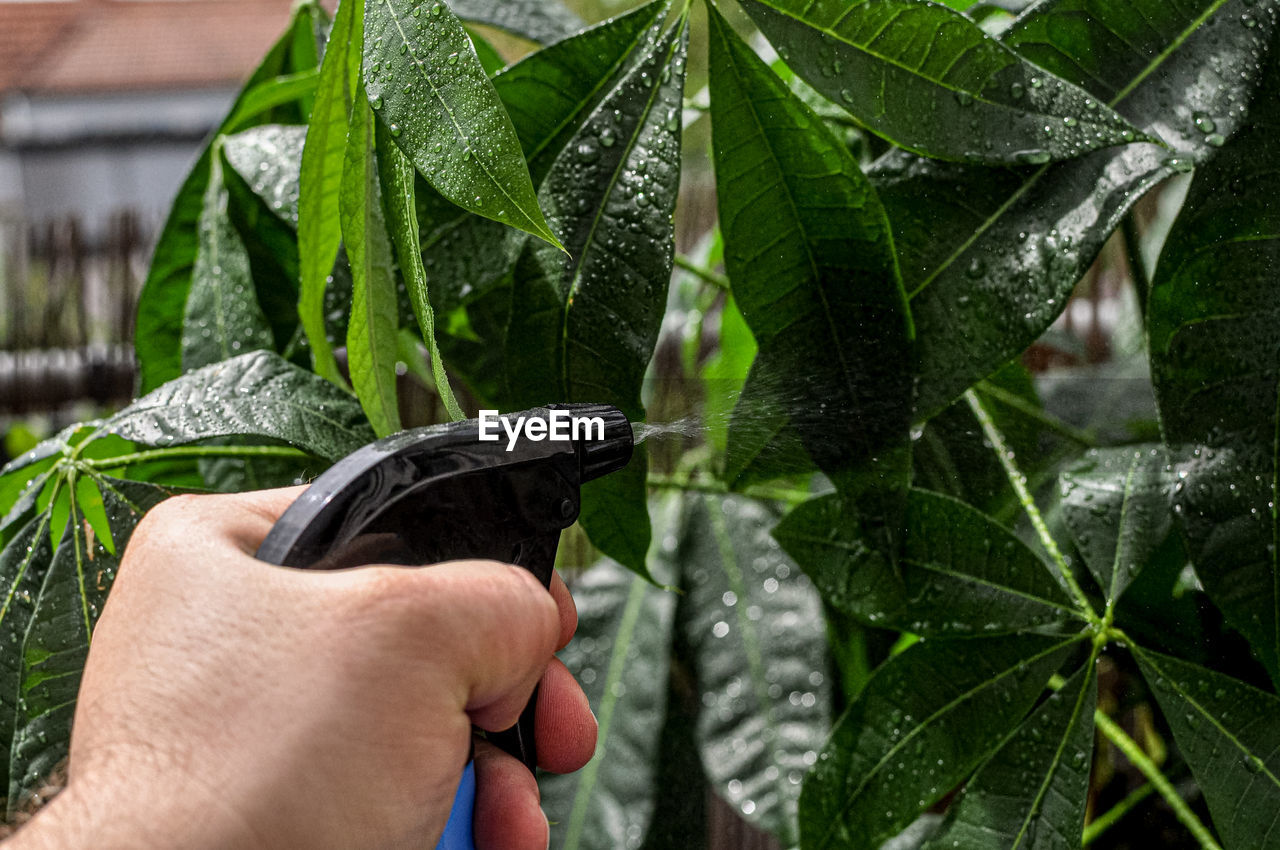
(457, 832)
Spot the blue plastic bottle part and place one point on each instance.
(457, 832)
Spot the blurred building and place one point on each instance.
(103, 103)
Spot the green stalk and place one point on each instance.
(1151, 771)
(191, 451)
(1019, 483)
(658, 481)
(706, 275)
(1094, 831)
(1053, 423)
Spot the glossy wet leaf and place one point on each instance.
(59, 595)
(320, 182)
(397, 186)
(1229, 734)
(268, 158)
(810, 254)
(1118, 505)
(1031, 794)
(223, 318)
(929, 80)
(427, 85)
(621, 656)
(950, 456)
(588, 322)
(1222, 501)
(757, 636)
(159, 331)
(371, 334)
(989, 257)
(548, 95)
(542, 21)
(959, 573)
(1213, 317)
(925, 720)
(258, 395)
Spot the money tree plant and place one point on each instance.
(875, 593)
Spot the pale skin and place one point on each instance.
(227, 703)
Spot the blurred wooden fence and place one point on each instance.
(67, 327)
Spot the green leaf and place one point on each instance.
(490, 59)
(319, 185)
(1223, 501)
(548, 95)
(1118, 505)
(20, 583)
(922, 723)
(621, 656)
(371, 335)
(66, 589)
(269, 94)
(543, 21)
(268, 159)
(1229, 734)
(959, 574)
(159, 331)
(258, 395)
(424, 79)
(1215, 356)
(929, 80)
(587, 324)
(950, 456)
(810, 253)
(990, 257)
(1031, 794)
(762, 445)
(755, 629)
(725, 373)
(222, 317)
(397, 186)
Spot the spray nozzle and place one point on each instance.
(601, 450)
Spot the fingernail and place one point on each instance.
(544, 815)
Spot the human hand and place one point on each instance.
(227, 703)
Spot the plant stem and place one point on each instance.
(192, 451)
(714, 278)
(1149, 769)
(1019, 483)
(1094, 831)
(1053, 423)
(693, 485)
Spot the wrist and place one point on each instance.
(81, 817)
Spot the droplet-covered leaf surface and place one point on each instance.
(959, 573)
(810, 254)
(1031, 794)
(1214, 319)
(588, 321)
(930, 80)
(989, 257)
(223, 317)
(543, 21)
(755, 627)
(1118, 505)
(1229, 733)
(429, 88)
(621, 657)
(921, 724)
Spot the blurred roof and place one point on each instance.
(128, 45)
